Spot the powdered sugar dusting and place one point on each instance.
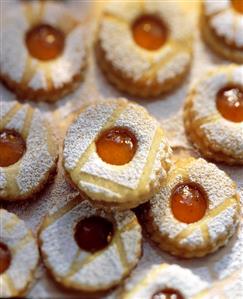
(17, 122)
(212, 7)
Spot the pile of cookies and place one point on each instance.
(114, 154)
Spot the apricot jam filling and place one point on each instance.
(188, 202)
(5, 258)
(94, 233)
(45, 42)
(116, 146)
(149, 32)
(12, 147)
(167, 294)
(229, 103)
(238, 5)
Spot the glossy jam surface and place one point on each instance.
(5, 258)
(149, 32)
(167, 294)
(230, 103)
(116, 146)
(188, 203)
(94, 233)
(238, 5)
(12, 147)
(45, 42)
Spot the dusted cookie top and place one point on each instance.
(28, 151)
(116, 153)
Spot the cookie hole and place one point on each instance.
(229, 101)
(12, 147)
(149, 32)
(116, 146)
(94, 233)
(45, 42)
(167, 294)
(188, 202)
(5, 257)
(237, 5)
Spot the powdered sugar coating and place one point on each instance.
(15, 57)
(24, 255)
(219, 189)
(165, 277)
(117, 42)
(226, 22)
(62, 254)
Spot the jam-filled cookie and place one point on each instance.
(19, 256)
(144, 47)
(88, 249)
(165, 281)
(28, 150)
(196, 210)
(116, 153)
(213, 114)
(222, 27)
(43, 50)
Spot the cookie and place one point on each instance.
(196, 210)
(28, 149)
(43, 50)
(116, 154)
(19, 256)
(144, 47)
(165, 281)
(88, 249)
(213, 114)
(222, 27)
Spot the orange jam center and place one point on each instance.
(238, 5)
(5, 258)
(45, 42)
(12, 147)
(230, 103)
(94, 233)
(149, 32)
(167, 294)
(188, 203)
(116, 146)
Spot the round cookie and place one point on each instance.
(44, 50)
(222, 27)
(213, 114)
(19, 256)
(116, 154)
(77, 240)
(144, 47)
(28, 151)
(165, 281)
(196, 210)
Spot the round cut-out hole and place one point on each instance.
(229, 102)
(238, 5)
(12, 147)
(5, 257)
(149, 32)
(188, 202)
(94, 233)
(167, 294)
(116, 146)
(45, 42)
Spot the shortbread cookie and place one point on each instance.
(28, 151)
(88, 249)
(43, 50)
(222, 27)
(144, 47)
(196, 210)
(165, 281)
(213, 114)
(116, 153)
(19, 256)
